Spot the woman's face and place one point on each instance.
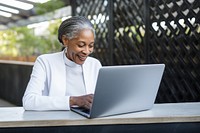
(78, 49)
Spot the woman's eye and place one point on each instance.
(80, 45)
(91, 46)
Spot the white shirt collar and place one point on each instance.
(68, 62)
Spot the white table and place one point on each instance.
(162, 114)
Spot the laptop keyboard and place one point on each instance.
(87, 111)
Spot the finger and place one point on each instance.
(87, 106)
(90, 98)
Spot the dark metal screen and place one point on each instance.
(150, 31)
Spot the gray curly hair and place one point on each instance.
(71, 27)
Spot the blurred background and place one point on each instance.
(128, 32)
(28, 28)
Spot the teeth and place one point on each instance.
(82, 58)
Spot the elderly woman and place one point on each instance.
(68, 78)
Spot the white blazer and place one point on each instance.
(47, 86)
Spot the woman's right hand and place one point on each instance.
(82, 101)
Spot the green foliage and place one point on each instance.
(49, 6)
(21, 41)
(8, 43)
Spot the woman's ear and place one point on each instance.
(65, 41)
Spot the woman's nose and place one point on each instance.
(87, 50)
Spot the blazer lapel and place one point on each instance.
(87, 79)
(58, 80)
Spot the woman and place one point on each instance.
(64, 79)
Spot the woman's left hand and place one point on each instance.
(82, 101)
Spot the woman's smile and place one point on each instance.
(78, 49)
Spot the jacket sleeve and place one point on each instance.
(36, 96)
(90, 72)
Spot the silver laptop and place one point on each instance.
(124, 89)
